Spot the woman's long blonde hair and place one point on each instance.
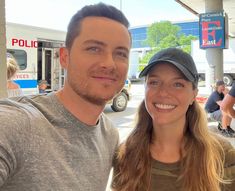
(202, 165)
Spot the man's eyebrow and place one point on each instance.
(123, 48)
(95, 42)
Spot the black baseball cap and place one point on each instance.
(180, 59)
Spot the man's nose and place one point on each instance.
(108, 61)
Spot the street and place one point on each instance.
(124, 120)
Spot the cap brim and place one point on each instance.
(187, 74)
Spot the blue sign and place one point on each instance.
(213, 33)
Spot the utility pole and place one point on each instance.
(3, 66)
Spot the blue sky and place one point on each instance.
(56, 14)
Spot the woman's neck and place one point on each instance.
(167, 144)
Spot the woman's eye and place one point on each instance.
(178, 84)
(154, 83)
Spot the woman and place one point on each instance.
(170, 147)
(13, 89)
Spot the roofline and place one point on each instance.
(187, 7)
(34, 27)
(173, 22)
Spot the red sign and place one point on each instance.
(22, 76)
(24, 43)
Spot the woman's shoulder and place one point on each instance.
(229, 163)
(13, 89)
(229, 157)
(229, 152)
(12, 85)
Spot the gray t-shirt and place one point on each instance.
(44, 147)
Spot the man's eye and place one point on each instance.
(93, 49)
(122, 54)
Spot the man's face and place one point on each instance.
(42, 86)
(221, 88)
(97, 63)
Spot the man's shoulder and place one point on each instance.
(16, 102)
(215, 95)
(211, 98)
(20, 105)
(212, 95)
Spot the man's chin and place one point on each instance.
(100, 101)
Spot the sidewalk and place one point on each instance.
(213, 127)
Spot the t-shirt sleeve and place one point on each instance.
(232, 90)
(12, 140)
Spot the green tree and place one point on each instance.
(185, 42)
(162, 35)
(159, 30)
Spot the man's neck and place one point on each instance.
(83, 110)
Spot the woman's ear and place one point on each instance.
(64, 57)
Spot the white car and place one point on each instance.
(119, 102)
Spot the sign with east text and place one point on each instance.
(213, 30)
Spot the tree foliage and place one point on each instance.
(160, 30)
(164, 34)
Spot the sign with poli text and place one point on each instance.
(213, 30)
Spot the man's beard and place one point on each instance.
(82, 88)
(84, 93)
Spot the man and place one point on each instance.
(213, 108)
(42, 86)
(62, 140)
(228, 102)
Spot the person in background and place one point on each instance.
(227, 105)
(13, 89)
(42, 86)
(212, 107)
(62, 140)
(171, 147)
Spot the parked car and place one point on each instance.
(119, 102)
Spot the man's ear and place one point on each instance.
(64, 57)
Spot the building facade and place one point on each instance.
(139, 34)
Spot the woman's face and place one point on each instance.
(168, 95)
